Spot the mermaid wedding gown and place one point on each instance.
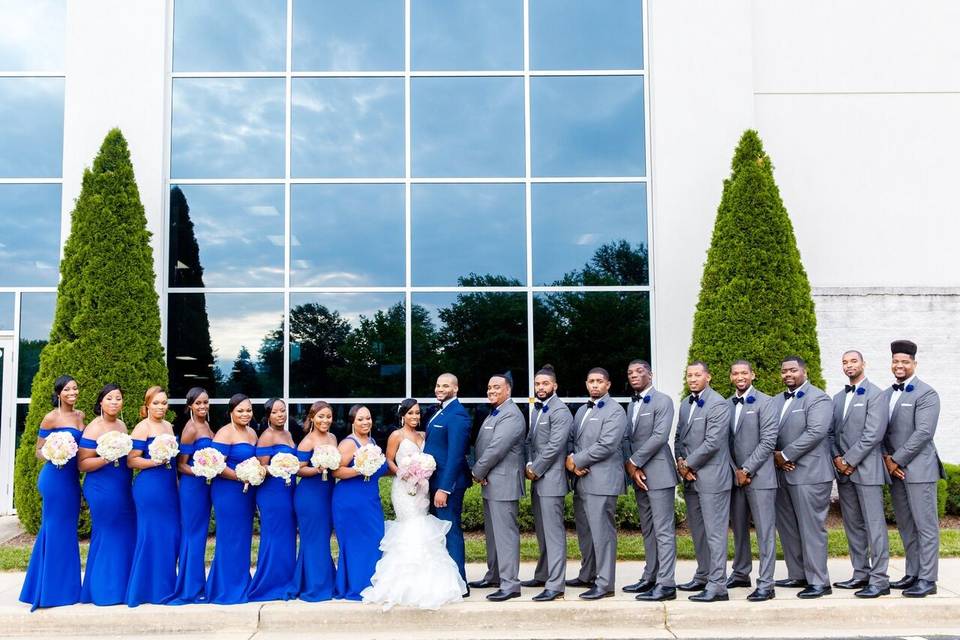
(415, 569)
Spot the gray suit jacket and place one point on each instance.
(547, 447)
(595, 445)
(909, 437)
(499, 451)
(754, 437)
(703, 441)
(858, 438)
(646, 440)
(804, 435)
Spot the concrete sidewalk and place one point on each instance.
(621, 617)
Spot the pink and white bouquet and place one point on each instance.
(250, 472)
(284, 465)
(113, 445)
(368, 459)
(59, 448)
(164, 448)
(326, 457)
(415, 471)
(208, 463)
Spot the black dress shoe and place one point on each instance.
(921, 589)
(904, 583)
(658, 594)
(483, 584)
(500, 596)
(852, 583)
(760, 595)
(733, 583)
(465, 594)
(815, 591)
(639, 587)
(547, 595)
(872, 591)
(577, 582)
(707, 596)
(532, 583)
(693, 585)
(791, 583)
(596, 594)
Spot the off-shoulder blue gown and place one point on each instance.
(153, 575)
(312, 501)
(113, 520)
(277, 556)
(53, 576)
(229, 577)
(194, 525)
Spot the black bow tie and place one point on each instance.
(538, 405)
(849, 388)
(737, 400)
(591, 404)
(693, 398)
(789, 394)
(637, 397)
(899, 387)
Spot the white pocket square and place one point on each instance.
(859, 404)
(797, 411)
(437, 426)
(906, 405)
(488, 427)
(646, 414)
(749, 412)
(594, 419)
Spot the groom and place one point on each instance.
(448, 439)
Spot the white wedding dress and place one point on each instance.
(415, 569)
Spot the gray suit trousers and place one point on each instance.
(915, 505)
(761, 506)
(862, 509)
(708, 515)
(588, 562)
(503, 543)
(551, 539)
(802, 525)
(600, 512)
(655, 509)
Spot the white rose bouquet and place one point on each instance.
(208, 463)
(284, 465)
(59, 448)
(415, 471)
(326, 457)
(250, 472)
(113, 445)
(164, 448)
(368, 459)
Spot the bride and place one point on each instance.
(415, 569)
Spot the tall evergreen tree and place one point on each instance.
(107, 322)
(755, 300)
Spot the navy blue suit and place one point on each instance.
(448, 440)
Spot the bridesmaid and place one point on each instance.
(194, 503)
(53, 577)
(153, 576)
(277, 556)
(229, 577)
(357, 512)
(112, 514)
(314, 575)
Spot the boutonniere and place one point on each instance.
(861, 391)
(647, 399)
(909, 388)
(751, 399)
(800, 394)
(600, 404)
(545, 409)
(495, 412)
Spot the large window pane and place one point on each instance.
(587, 126)
(473, 336)
(471, 35)
(228, 128)
(31, 127)
(347, 235)
(240, 35)
(467, 127)
(36, 319)
(33, 35)
(573, 34)
(347, 128)
(590, 234)
(468, 234)
(347, 345)
(226, 342)
(30, 241)
(6, 311)
(574, 332)
(345, 35)
(226, 235)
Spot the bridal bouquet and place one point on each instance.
(208, 463)
(284, 465)
(326, 457)
(415, 471)
(368, 459)
(59, 448)
(113, 445)
(250, 472)
(164, 448)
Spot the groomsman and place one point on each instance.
(911, 459)
(805, 477)
(650, 467)
(499, 468)
(597, 466)
(753, 437)
(856, 437)
(702, 447)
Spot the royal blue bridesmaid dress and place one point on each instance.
(277, 556)
(53, 577)
(313, 502)
(194, 525)
(358, 521)
(153, 575)
(113, 522)
(229, 577)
